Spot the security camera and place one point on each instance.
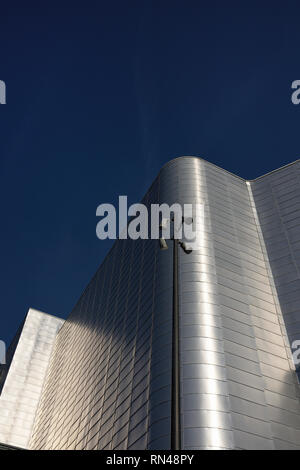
(185, 248)
(163, 244)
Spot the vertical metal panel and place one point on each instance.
(25, 377)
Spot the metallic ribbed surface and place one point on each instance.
(110, 381)
(277, 201)
(109, 385)
(27, 366)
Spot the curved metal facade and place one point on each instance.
(109, 384)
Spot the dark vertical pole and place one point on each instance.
(175, 416)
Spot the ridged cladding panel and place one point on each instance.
(277, 199)
(239, 387)
(29, 359)
(109, 386)
(277, 202)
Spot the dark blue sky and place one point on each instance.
(101, 94)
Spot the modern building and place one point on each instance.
(120, 378)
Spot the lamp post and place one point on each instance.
(175, 399)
